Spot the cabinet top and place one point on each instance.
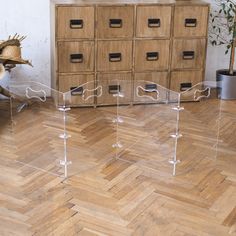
(122, 2)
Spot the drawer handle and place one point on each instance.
(114, 89)
(150, 87)
(77, 91)
(188, 55)
(185, 86)
(115, 23)
(76, 24)
(114, 57)
(154, 23)
(76, 58)
(152, 56)
(190, 22)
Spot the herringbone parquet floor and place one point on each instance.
(109, 196)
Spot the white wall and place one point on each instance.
(216, 58)
(32, 18)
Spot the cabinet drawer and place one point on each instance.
(113, 84)
(75, 56)
(80, 89)
(114, 55)
(191, 21)
(182, 80)
(151, 55)
(153, 21)
(188, 54)
(113, 22)
(75, 22)
(144, 84)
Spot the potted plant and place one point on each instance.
(223, 32)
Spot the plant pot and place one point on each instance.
(226, 84)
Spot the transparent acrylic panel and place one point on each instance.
(226, 151)
(199, 125)
(6, 140)
(37, 127)
(91, 129)
(84, 94)
(147, 131)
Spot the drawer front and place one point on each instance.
(75, 56)
(144, 84)
(80, 89)
(188, 54)
(153, 21)
(151, 55)
(114, 55)
(75, 22)
(191, 21)
(113, 84)
(182, 80)
(113, 22)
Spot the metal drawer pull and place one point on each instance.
(185, 86)
(77, 91)
(150, 87)
(76, 24)
(188, 55)
(76, 58)
(115, 23)
(190, 22)
(154, 23)
(114, 89)
(114, 57)
(152, 56)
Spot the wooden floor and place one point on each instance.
(126, 191)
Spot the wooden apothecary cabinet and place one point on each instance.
(160, 41)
